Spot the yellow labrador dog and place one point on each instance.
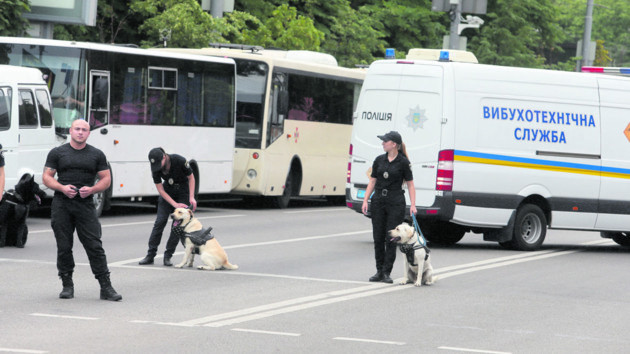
(418, 269)
(200, 241)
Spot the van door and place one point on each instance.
(9, 134)
(407, 98)
(36, 130)
(613, 210)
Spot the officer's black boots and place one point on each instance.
(68, 286)
(167, 261)
(377, 277)
(146, 260)
(107, 291)
(386, 279)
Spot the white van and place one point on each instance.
(503, 151)
(27, 129)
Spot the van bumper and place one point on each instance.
(443, 207)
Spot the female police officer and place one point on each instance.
(389, 172)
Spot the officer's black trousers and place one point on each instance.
(387, 213)
(164, 209)
(67, 215)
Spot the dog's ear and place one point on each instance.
(190, 213)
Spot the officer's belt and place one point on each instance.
(385, 192)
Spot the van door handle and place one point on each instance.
(104, 131)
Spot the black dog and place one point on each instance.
(14, 209)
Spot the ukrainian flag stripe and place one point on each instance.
(538, 164)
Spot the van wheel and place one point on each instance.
(442, 233)
(621, 238)
(283, 200)
(530, 228)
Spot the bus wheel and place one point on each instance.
(621, 238)
(102, 199)
(530, 228)
(282, 201)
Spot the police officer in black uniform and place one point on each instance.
(177, 191)
(389, 172)
(77, 165)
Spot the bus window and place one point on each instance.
(251, 81)
(278, 107)
(43, 105)
(28, 115)
(5, 108)
(99, 100)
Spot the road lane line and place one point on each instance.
(279, 304)
(327, 210)
(266, 332)
(65, 316)
(472, 350)
(12, 350)
(146, 222)
(369, 340)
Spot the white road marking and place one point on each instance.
(145, 222)
(369, 340)
(65, 316)
(12, 350)
(316, 210)
(267, 332)
(472, 350)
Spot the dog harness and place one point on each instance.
(409, 250)
(198, 238)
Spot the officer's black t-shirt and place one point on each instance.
(390, 175)
(76, 167)
(177, 174)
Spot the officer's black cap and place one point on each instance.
(393, 136)
(155, 158)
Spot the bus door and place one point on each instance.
(279, 101)
(99, 99)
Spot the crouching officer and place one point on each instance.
(77, 165)
(177, 191)
(389, 172)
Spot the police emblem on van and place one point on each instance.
(416, 118)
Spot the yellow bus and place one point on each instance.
(294, 116)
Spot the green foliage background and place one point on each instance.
(528, 33)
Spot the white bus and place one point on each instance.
(294, 119)
(27, 131)
(137, 99)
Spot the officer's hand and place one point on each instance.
(70, 191)
(412, 210)
(180, 205)
(85, 192)
(193, 204)
(364, 207)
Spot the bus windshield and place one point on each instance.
(251, 81)
(63, 69)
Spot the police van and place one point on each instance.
(27, 129)
(503, 151)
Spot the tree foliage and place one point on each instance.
(12, 23)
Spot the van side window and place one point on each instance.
(28, 114)
(43, 106)
(5, 108)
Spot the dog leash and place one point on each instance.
(422, 241)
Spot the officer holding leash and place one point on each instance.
(389, 172)
(177, 191)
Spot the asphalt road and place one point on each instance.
(302, 288)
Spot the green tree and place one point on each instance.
(517, 33)
(182, 21)
(12, 23)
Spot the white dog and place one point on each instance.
(418, 269)
(202, 242)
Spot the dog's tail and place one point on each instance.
(228, 265)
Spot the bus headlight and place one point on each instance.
(251, 174)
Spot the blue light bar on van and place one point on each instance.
(605, 70)
(445, 55)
